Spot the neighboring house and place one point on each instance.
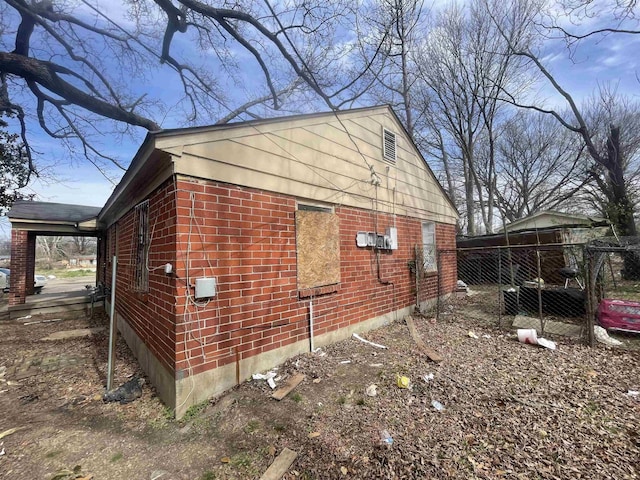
(86, 261)
(561, 236)
(235, 242)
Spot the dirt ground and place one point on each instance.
(511, 411)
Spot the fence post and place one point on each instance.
(500, 290)
(539, 281)
(591, 296)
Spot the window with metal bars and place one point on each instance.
(141, 278)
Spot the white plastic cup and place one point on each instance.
(528, 335)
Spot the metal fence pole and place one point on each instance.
(500, 289)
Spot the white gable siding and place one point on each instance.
(315, 158)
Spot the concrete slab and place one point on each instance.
(78, 333)
(551, 327)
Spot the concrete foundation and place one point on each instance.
(181, 393)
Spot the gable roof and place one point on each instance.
(176, 151)
(554, 219)
(51, 212)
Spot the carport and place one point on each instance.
(30, 219)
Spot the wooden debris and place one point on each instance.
(280, 465)
(11, 431)
(430, 352)
(292, 383)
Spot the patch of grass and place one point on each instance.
(296, 397)
(208, 475)
(361, 402)
(280, 428)
(194, 410)
(342, 400)
(242, 459)
(53, 453)
(116, 457)
(252, 426)
(64, 273)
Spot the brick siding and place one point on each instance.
(246, 239)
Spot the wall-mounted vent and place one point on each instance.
(388, 145)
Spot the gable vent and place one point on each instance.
(388, 145)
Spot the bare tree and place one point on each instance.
(464, 64)
(539, 165)
(80, 69)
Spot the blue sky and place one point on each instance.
(613, 59)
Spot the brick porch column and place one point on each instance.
(19, 254)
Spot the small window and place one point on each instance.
(388, 145)
(429, 247)
(141, 279)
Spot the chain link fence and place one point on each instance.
(614, 291)
(539, 287)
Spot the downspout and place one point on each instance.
(311, 325)
(112, 326)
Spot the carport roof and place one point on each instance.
(52, 212)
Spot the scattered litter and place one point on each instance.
(427, 378)
(11, 431)
(318, 351)
(27, 317)
(316, 380)
(156, 474)
(344, 362)
(437, 405)
(633, 393)
(543, 342)
(264, 376)
(2, 452)
(486, 335)
(344, 470)
(377, 345)
(126, 393)
(313, 435)
(376, 365)
(371, 390)
(529, 335)
(472, 335)
(603, 337)
(11, 383)
(225, 460)
(402, 381)
(271, 382)
(386, 439)
(461, 284)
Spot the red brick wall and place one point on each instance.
(151, 315)
(246, 239)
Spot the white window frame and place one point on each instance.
(429, 258)
(390, 156)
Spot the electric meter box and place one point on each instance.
(205, 287)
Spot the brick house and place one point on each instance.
(235, 242)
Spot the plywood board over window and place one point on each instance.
(318, 249)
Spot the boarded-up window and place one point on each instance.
(429, 247)
(318, 247)
(141, 278)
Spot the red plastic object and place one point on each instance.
(619, 315)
